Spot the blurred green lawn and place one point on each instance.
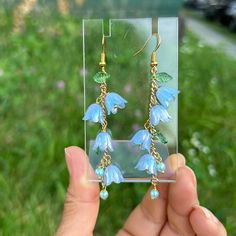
(41, 95)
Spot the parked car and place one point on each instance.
(231, 13)
(217, 10)
(196, 4)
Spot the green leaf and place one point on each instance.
(97, 151)
(160, 137)
(163, 77)
(101, 77)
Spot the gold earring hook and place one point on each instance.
(153, 57)
(148, 40)
(102, 62)
(103, 43)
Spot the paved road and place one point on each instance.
(211, 37)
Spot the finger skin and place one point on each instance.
(181, 200)
(150, 215)
(204, 223)
(181, 217)
(82, 199)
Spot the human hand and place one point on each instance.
(175, 213)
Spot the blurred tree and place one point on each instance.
(21, 11)
(63, 7)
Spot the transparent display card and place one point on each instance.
(130, 77)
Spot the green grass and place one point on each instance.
(207, 127)
(38, 119)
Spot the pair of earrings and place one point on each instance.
(109, 102)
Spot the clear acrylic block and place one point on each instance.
(130, 78)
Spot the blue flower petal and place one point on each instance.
(147, 163)
(142, 138)
(113, 101)
(94, 114)
(165, 95)
(159, 113)
(103, 142)
(112, 174)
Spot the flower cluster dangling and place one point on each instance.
(160, 98)
(106, 104)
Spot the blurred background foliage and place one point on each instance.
(41, 95)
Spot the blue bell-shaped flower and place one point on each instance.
(113, 101)
(165, 95)
(103, 142)
(142, 138)
(159, 113)
(112, 174)
(147, 163)
(94, 113)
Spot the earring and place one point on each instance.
(160, 98)
(106, 103)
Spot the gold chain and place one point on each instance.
(154, 181)
(152, 102)
(101, 100)
(106, 160)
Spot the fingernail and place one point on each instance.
(176, 161)
(76, 163)
(68, 162)
(173, 162)
(67, 151)
(209, 215)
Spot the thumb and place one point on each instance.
(82, 198)
(204, 223)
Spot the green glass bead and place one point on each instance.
(101, 77)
